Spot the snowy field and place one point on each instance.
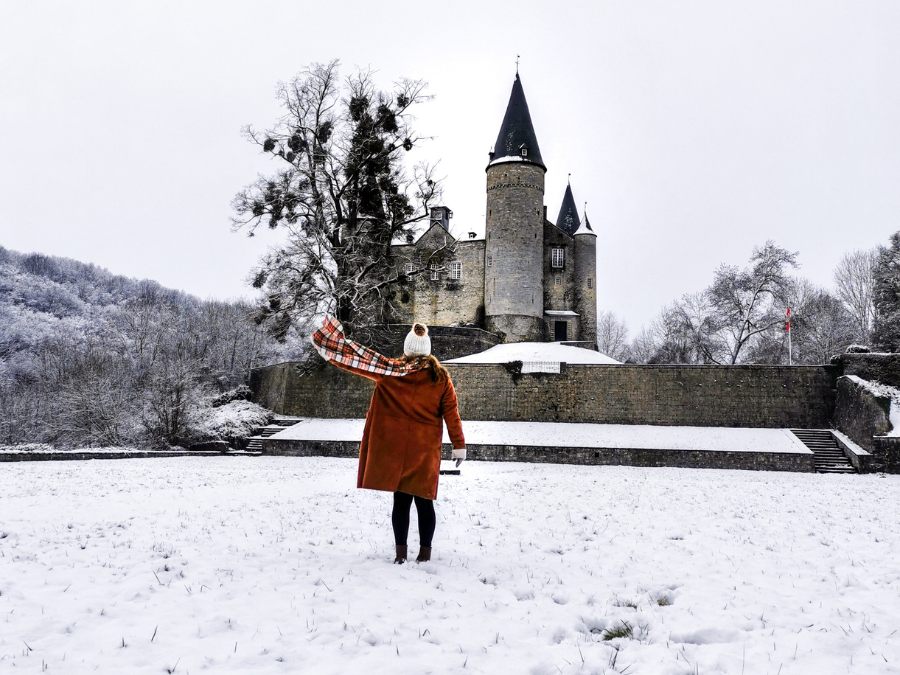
(279, 565)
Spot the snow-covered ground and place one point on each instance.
(552, 352)
(279, 565)
(582, 435)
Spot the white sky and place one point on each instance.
(695, 130)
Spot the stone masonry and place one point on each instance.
(513, 283)
(741, 396)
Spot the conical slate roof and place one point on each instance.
(568, 220)
(586, 227)
(517, 132)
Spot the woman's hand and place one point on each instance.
(459, 454)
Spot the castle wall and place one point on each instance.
(446, 301)
(741, 396)
(559, 284)
(447, 342)
(514, 251)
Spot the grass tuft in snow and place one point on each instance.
(623, 629)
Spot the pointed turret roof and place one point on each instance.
(568, 220)
(517, 132)
(586, 227)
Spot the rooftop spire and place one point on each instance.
(517, 140)
(586, 225)
(568, 220)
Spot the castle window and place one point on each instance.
(590, 282)
(409, 268)
(557, 280)
(435, 272)
(490, 261)
(456, 270)
(557, 258)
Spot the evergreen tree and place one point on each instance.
(886, 333)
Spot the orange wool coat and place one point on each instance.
(401, 444)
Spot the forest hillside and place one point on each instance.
(92, 358)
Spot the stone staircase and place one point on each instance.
(828, 456)
(254, 442)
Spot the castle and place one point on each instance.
(528, 280)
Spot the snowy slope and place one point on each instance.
(279, 565)
(536, 351)
(557, 434)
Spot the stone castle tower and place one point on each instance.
(514, 229)
(528, 280)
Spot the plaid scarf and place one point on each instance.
(331, 344)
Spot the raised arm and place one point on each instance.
(355, 371)
(352, 357)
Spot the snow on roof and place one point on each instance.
(581, 435)
(584, 228)
(560, 312)
(536, 351)
(509, 158)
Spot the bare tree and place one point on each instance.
(686, 332)
(340, 191)
(854, 280)
(612, 336)
(747, 302)
(643, 346)
(821, 326)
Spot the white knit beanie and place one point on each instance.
(417, 345)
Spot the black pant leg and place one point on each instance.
(427, 520)
(400, 517)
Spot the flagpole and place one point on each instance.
(788, 326)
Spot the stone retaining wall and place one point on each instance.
(743, 396)
(884, 368)
(597, 456)
(860, 414)
(887, 452)
(82, 455)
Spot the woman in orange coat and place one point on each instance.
(401, 445)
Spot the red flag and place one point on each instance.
(787, 325)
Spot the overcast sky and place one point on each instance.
(695, 130)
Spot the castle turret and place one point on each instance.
(513, 279)
(568, 220)
(586, 279)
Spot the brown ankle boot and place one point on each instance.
(424, 554)
(401, 555)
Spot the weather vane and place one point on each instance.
(517, 63)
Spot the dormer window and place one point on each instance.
(557, 258)
(524, 151)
